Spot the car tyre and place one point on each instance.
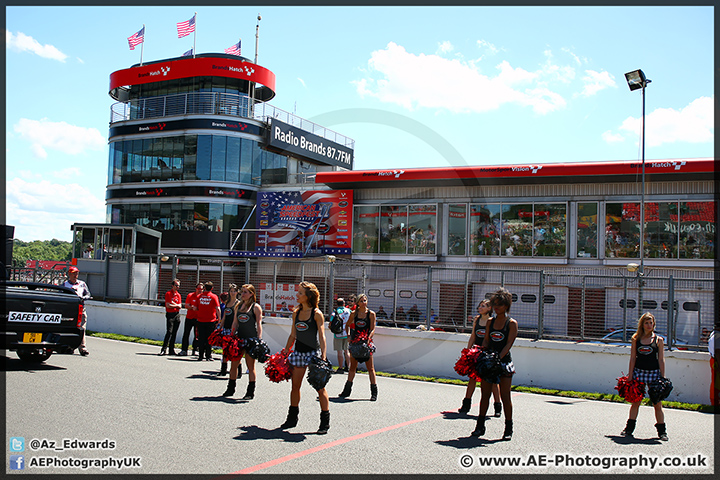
(34, 355)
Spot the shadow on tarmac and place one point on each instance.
(468, 442)
(219, 398)
(622, 440)
(17, 365)
(253, 432)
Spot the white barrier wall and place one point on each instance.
(551, 364)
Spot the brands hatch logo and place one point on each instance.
(395, 173)
(249, 70)
(535, 168)
(677, 165)
(165, 70)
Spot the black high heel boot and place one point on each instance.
(373, 392)
(230, 388)
(250, 394)
(662, 433)
(498, 408)
(223, 370)
(629, 428)
(347, 390)
(479, 427)
(465, 405)
(292, 418)
(507, 434)
(324, 422)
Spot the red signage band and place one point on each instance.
(520, 171)
(193, 67)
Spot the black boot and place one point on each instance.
(324, 422)
(230, 388)
(507, 434)
(373, 392)
(662, 434)
(223, 370)
(629, 428)
(346, 391)
(292, 418)
(250, 394)
(465, 405)
(498, 408)
(479, 427)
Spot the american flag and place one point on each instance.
(188, 53)
(234, 50)
(136, 39)
(186, 28)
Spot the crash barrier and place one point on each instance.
(554, 364)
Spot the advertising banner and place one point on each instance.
(284, 294)
(314, 221)
(285, 138)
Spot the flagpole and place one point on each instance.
(252, 86)
(194, 34)
(142, 45)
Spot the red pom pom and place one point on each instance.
(232, 348)
(631, 390)
(466, 364)
(361, 337)
(215, 338)
(278, 368)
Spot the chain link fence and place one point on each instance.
(576, 307)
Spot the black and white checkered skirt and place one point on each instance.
(302, 359)
(646, 376)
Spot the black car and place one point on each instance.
(41, 319)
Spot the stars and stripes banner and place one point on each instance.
(188, 53)
(234, 50)
(186, 28)
(136, 39)
(293, 220)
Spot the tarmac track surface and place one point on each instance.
(167, 413)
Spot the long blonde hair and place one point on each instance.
(250, 288)
(640, 329)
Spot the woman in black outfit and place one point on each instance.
(500, 335)
(227, 314)
(361, 320)
(647, 364)
(247, 323)
(308, 336)
(477, 336)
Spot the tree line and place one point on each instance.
(40, 250)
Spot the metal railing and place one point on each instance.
(216, 103)
(560, 306)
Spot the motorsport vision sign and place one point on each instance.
(312, 221)
(285, 138)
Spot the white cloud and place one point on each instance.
(596, 81)
(25, 43)
(66, 173)
(577, 59)
(429, 81)
(44, 210)
(302, 82)
(445, 47)
(610, 137)
(487, 46)
(58, 136)
(692, 124)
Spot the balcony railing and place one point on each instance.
(216, 103)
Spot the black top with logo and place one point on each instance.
(306, 333)
(247, 323)
(361, 325)
(499, 338)
(228, 313)
(646, 356)
(480, 330)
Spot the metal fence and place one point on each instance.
(594, 308)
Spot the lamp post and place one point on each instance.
(637, 80)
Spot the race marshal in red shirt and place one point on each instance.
(208, 313)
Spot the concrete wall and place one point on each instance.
(542, 363)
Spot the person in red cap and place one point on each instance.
(83, 292)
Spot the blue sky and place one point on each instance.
(498, 85)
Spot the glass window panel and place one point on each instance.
(247, 161)
(176, 161)
(393, 229)
(232, 173)
(204, 157)
(549, 232)
(219, 152)
(137, 161)
(485, 229)
(421, 229)
(587, 230)
(190, 158)
(257, 159)
(517, 230)
(201, 215)
(230, 217)
(661, 236)
(622, 230)
(187, 216)
(366, 224)
(697, 223)
(457, 228)
(111, 163)
(215, 217)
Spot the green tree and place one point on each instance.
(40, 250)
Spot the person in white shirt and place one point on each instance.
(83, 292)
(341, 341)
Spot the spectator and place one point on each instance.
(173, 303)
(83, 292)
(340, 341)
(284, 308)
(400, 315)
(88, 252)
(208, 314)
(191, 320)
(413, 315)
(381, 313)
